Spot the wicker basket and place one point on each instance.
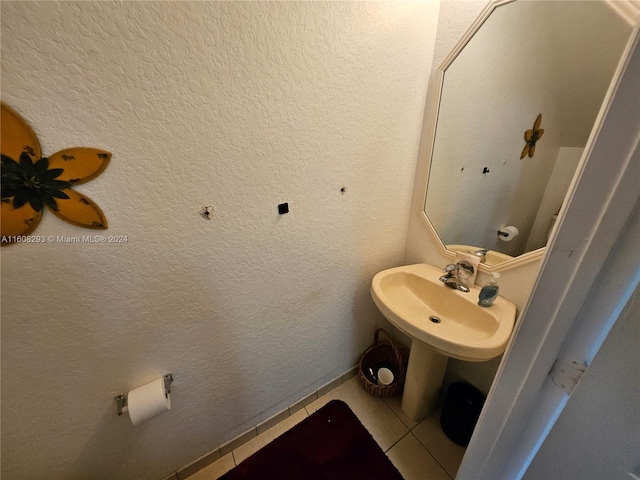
(386, 352)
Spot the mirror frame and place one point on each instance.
(429, 133)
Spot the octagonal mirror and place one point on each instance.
(518, 102)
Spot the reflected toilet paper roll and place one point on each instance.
(148, 401)
(506, 234)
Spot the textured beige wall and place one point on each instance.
(237, 104)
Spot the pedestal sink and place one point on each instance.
(442, 322)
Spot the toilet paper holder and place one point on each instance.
(121, 400)
(508, 233)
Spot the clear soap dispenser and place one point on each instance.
(489, 292)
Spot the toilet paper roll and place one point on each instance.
(148, 401)
(506, 234)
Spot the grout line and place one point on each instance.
(398, 441)
(432, 455)
(303, 402)
(410, 430)
(399, 418)
(273, 420)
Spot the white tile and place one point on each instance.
(414, 462)
(448, 453)
(271, 421)
(327, 387)
(198, 465)
(350, 373)
(241, 439)
(303, 403)
(395, 403)
(385, 427)
(215, 470)
(255, 444)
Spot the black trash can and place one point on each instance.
(462, 406)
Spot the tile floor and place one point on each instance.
(419, 450)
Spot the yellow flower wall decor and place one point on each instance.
(30, 181)
(531, 137)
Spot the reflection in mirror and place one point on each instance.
(554, 58)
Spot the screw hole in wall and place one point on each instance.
(207, 212)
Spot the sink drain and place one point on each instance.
(435, 319)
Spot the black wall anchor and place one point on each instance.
(485, 170)
(283, 208)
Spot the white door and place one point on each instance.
(597, 435)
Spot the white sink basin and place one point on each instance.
(411, 296)
(442, 322)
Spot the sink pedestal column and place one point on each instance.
(423, 381)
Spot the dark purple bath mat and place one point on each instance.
(331, 444)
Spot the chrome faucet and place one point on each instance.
(450, 277)
(482, 253)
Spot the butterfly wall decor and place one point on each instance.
(531, 137)
(30, 181)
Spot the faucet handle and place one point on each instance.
(451, 269)
(482, 253)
